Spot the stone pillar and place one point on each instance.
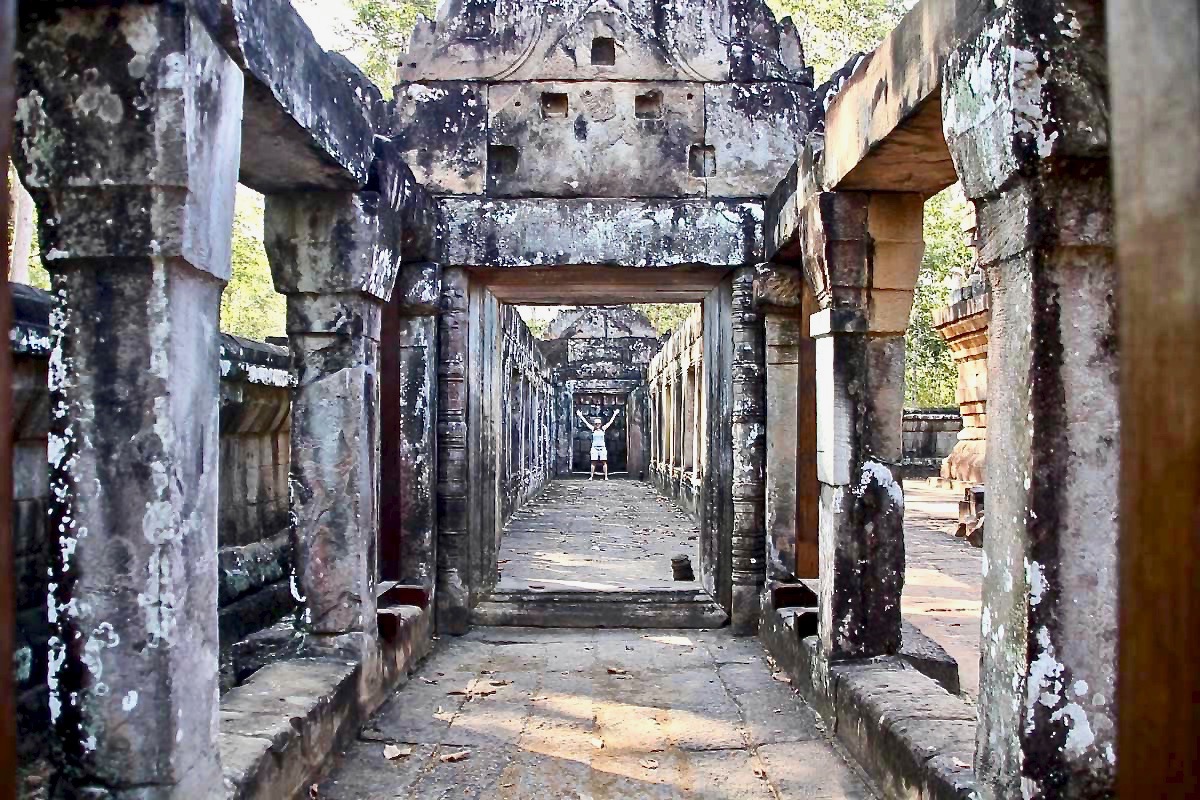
(1026, 118)
(453, 552)
(417, 299)
(749, 456)
(964, 325)
(323, 252)
(784, 335)
(133, 165)
(865, 252)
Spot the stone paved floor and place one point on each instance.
(943, 579)
(597, 535)
(521, 714)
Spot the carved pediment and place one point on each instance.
(524, 40)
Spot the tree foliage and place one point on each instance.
(379, 34)
(834, 30)
(250, 307)
(666, 317)
(930, 377)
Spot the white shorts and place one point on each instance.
(599, 454)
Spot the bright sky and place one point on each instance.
(327, 18)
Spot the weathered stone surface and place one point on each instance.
(453, 579)
(541, 713)
(717, 41)
(1038, 172)
(519, 233)
(756, 130)
(593, 139)
(110, 134)
(440, 130)
(329, 243)
(749, 455)
(310, 116)
(136, 234)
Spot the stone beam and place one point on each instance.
(1027, 122)
(310, 116)
(128, 136)
(883, 129)
(599, 284)
(628, 233)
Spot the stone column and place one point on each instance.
(323, 251)
(749, 456)
(964, 326)
(1026, 118)
(865, 251)
(453, 552)
(419, 294)
(128, 138)
(784, 333)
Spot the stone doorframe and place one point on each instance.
(734, 505)
(565, 430)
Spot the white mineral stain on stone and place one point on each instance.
(130, 701)
(1036, 579)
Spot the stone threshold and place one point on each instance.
(282, 728)
(651, 609)
(915, 738)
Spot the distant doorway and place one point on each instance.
(601, 406)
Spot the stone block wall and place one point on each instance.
(527, 456)
(964, 325)
(255, 549)
(678, 412)
(930, 436)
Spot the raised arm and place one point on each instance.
(582, 417)
(612, 419)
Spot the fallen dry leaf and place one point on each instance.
(779, 676)
(454, 758)
(429, 681)
(598, 743)
(392, 752)
(649, 763)
(760, 773)
(500, 683)
(458, 692)
(617, 671)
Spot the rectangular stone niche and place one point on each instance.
(604, 52)
(649, 105)
(503, 159)
(702, 161)
(554, 105)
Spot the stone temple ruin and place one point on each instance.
(231, 556)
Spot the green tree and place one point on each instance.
(834, 30)
(379, 34)
(666, 317)
(250, 306)
(930, 377)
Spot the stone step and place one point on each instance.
(581, 609)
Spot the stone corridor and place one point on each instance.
(600, 536)
(232, 559)
(520, 714)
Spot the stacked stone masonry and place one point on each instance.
(964, 326)
(552, 151)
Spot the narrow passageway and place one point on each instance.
(943, 586)
(614, 535)
(521, 714)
